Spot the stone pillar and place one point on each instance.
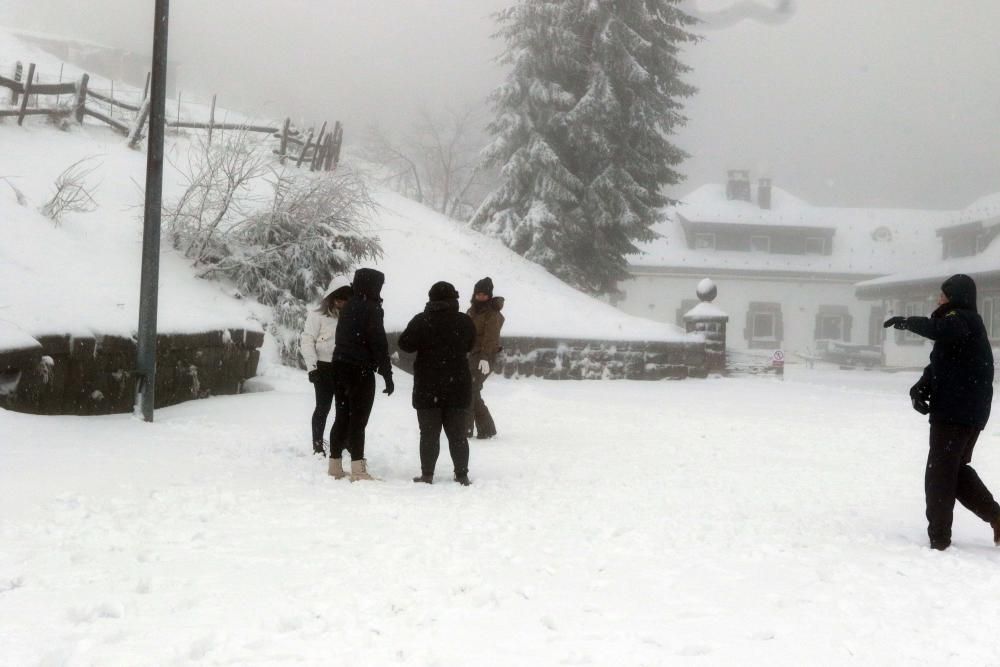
(710, 320)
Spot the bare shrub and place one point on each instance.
(73, 193)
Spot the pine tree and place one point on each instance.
(582, 132)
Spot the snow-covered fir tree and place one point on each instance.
(582, 132)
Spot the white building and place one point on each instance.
(967, 244)
(786, 270)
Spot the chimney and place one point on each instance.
(738, 185)
(764, 193)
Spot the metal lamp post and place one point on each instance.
(146, 344)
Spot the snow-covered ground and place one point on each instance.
(724, 522)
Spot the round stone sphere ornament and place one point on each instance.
(707, 291)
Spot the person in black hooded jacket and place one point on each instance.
(956, 389)
(360, 350)
(442, 337)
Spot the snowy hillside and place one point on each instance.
(82, 276)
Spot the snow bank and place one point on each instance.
(423, 247)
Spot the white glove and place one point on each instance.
(484, 367)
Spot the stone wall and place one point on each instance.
(576, 359)
(95, 375)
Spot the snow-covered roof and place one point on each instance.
(985, 210)
(865, 241)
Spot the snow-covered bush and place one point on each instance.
(285, 248)
(316, 228)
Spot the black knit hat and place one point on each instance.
(484, 286)
(961, 291)
(442, 291)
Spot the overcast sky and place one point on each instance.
(850, 102)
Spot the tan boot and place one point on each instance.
(336, 469)
(359, 471)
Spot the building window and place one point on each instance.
(760, 244)
(833, 323)
(704, 241)
(764, 328)
(815, 245)
(991, 315)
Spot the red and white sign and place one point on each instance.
(778, 358)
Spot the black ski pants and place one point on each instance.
(453, 420)
(353, 396)
(949, 477)
(323, 386)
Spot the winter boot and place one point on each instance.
(425, 479)
(463, 479)
(318, 448)
(995, 524)
(336, 469)
(359, 471)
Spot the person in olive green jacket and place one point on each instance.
(486, 315)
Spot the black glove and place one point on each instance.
(920, 405)
(314, 375)
(897, 322)
(390, 386)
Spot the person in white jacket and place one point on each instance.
(316, 344)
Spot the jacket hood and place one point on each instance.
(367, 284)
(441, 305)
(961, 292)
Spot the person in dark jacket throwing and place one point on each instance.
(956, 389)
(442, 337)
(485, 313)
(361, 350)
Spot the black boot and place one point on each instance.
(318, 448)
(463, 479)
(425, 479)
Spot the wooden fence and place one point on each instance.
(317, 151)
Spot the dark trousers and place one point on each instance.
(479, 416)
(949, 477)
(453, 420)
(353, 395)
(323, 386)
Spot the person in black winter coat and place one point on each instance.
(956, 389)
(442, 337)
(361, 350)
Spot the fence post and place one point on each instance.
(319, 143)
(140, 120)
(211, 120)
(319, 157)
(81, 97)
(305, 147)
(338, 140)
(27, 93)
(59, 97)
(283, 149)
(18, 72)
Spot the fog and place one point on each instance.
(851, 103)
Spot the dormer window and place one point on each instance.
(815, 245)
(760, 243)
(704, 241)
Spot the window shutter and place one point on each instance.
(779, 326)
(848, 322)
